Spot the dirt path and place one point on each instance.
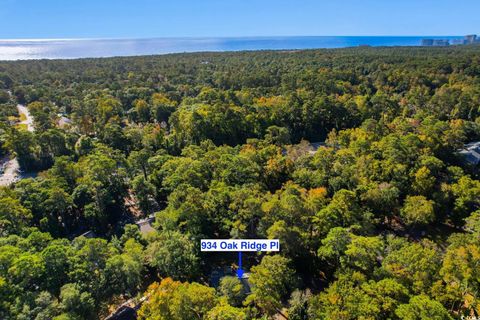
(11, 173)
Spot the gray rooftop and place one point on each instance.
(471, 153)
(145, 225)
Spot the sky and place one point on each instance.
(66, 19)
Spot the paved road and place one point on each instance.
(11, 166)
(11, 174)
(29, 119)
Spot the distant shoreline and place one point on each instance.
(213, 37)
(34, 49)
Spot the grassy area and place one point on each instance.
(22, 126)
(23, 117)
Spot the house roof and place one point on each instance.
(145, 225)
(471, 153)
(63, 121)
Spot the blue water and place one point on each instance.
(68, 49)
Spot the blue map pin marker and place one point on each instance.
(240, 271)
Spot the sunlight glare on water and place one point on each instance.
(86, 48)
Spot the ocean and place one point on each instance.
(90, 48)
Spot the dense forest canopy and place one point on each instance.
(382, 221)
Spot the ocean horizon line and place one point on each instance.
(224, 37)
(28, 49)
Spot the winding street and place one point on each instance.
(29, 119)
(11, 172)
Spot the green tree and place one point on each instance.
(364, 253)
(472, 223)
(162, 107)
(417, 210)
(272, 280)
(193, 301)
(422, 308)
(177, 301)
(123, 272)
(466, 199)
(298, 305)
(101, 189)
(144, 193)
(424, 181)
(25, 147)
(352, 297)
(461, 276)
(108, 108)
(224, 311)
(56, 257)
(76, 303)
(142, 109)
(342, 300)
(27, 271)
(88, 266)
(334, 245)
(342, 211)
(13, 216)
(138, 161)
(83, 146)
(232, 288)
(415, 265)
(173, 254)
